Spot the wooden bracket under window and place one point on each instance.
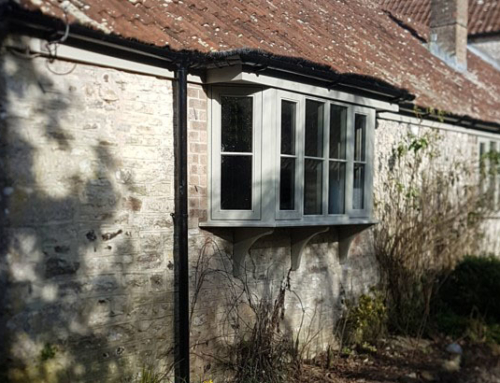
(300, 238)
(244, 238)
(346, 235)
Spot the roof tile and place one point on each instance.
(484, 15)
(353, 36)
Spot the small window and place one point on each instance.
(358, 198)
(489, 172)
(288, 158)
(338, 159)
(236, 153)
(313, 163)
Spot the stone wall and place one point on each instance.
(86, 263)
(221, 310)
(455, 145)
(86, 283)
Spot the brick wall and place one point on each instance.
(86, 265)
(197, 154)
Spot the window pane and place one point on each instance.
(288, 127)
(313, 187)
(336, 188)
(287, 184)
(314, 128)
(358, 198)
(236, 124)
(338, 124)
(359, 137)
(493, 146)
(236, 182)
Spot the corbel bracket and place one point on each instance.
(300, 238)
(244, 238)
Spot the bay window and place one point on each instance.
(280, 158)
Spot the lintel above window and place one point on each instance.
(281, 158)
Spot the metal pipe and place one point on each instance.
(181, 264)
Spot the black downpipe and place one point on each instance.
(181, 264)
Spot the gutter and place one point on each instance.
(48, 28)
(408, 109)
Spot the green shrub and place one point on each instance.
(365, 321)
(48, 352)
(467, 303)
(450, 323)
(474, 286)
(149, 375)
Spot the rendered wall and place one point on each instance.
(489, 46)
(86, 264)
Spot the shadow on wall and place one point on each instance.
(84, 290)
(224, 307)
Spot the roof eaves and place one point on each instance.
(261, 60)
(43, 26)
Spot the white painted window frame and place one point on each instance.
(369, 159)
(299, 100)
(267, 157)
(217, 213)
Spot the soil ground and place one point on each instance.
(405, 360)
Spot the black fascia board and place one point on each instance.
(416, 111)
(311, 72)
(35, 24)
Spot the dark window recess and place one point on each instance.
(313, 186)
(288, 127)
(314, 129)
(236, 183)
(359, 137)
(358, 197)
(338, 127)
(236, 124)
(336, 187)
(287, 184)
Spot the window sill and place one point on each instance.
(337, 221)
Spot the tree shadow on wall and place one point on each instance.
(83, 291)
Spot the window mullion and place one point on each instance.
(300, 150)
